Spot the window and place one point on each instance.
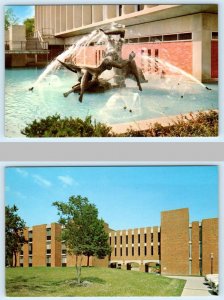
(170, 37)
(64, 265)
(64, 251)
(126, 239)
(200, 233)
(48, 237)
(140, 7)
(120, 10)
(185, 36)
(144, 39)
(151, 237)
(121, 239)
(145, 238)
(133, 239)
(215, 35)
(110, 240)
(156, 52)
(190, 250)
(126, 251)
(115, 251)
(151, 250)
(21, 252)
(120, 251)
(21, 264)
(139, 251)
(145, 250)
(30, 236)
(48, 251)
(190, 233)
(138, 238)
(158, 250)
(132, 251)
(48, 264)
(48, 231)
(159, 237)
(134, 40)
(30, 249)
(115, 240)
(30, 264)
(156, 38)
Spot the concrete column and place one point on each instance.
(63, 17)
(57, 18)
(201, 50)
(53, 15)
(128, 9)
(69, 17)
(86, 14)
(110, 11)
(77, 16)
(97, 11)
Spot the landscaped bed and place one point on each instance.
(43, 281)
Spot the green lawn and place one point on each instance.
(42, 281)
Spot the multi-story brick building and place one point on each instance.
(186, 36)
(174, 247)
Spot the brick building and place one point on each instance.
(186, 36)
(175, 247)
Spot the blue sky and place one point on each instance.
(126, 197)
(22, 12)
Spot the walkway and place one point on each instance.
(195, 286)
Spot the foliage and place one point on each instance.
(29, 23)
(199, 125)
(10, 18)
(104, 282)
(55, 126)
(83, 232)
(203, 124)
(14, 238)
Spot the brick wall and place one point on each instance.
(209, 245)
(195, 249)
(55, 245)
(175, 242)
(39, 246)
(214, 59)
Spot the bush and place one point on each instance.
(55, 126)
(203, 124)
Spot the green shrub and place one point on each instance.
(55, 126)
(203, 124)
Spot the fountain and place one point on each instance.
(116, 84)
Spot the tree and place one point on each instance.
(10, 18)
(83, 232)
(14, 237)
(29, 23)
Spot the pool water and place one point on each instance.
(159, 98)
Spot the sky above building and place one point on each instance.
(22, 12)
(126, 197)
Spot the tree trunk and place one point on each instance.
(15, 259)
(78, 266)
(88, 261)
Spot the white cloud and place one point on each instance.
(22, 172)
(41, 181)
(66, 180)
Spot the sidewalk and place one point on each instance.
(194, 286)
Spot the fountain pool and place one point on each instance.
(160, 97)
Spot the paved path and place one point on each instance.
(194, 286)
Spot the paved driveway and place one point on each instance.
(194, 286)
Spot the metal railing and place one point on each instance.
(26, 45)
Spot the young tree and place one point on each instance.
(14, 238)
(83, 232)
(10, 18)
(29, 23)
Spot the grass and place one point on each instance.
(43, 281)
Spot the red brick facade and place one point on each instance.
(176, 248)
